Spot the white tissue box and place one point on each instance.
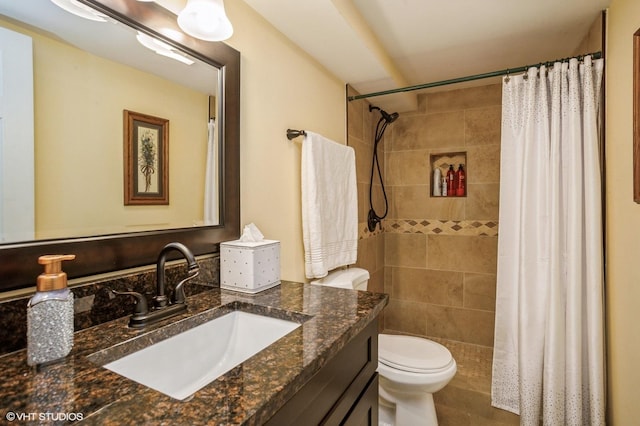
(249, 267)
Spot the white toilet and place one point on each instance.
(411, 368)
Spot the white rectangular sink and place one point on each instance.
(183, 364)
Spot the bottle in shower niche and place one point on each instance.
(460, 180)
(437, 182)
(451, 182)
(50, 313)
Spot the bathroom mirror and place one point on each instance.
(137, 235)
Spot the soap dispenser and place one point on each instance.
(50, 313)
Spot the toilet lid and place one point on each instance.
(413, 354)
(344, 278)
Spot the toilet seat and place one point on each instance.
(413, 354)
(410, 369)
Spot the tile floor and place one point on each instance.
(467, 398)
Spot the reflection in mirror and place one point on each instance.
(125, 243)
(67, 178)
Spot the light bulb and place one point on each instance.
(81, 10)
(161, 48)
(206, 20)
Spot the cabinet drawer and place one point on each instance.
(330, 394)
(365, 411)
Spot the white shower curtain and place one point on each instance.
(548, 360)
(211, 206)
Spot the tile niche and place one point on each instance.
(442, 161)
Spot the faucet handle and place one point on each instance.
(178, 292)
(141, 301)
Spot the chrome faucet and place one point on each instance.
(162, 308)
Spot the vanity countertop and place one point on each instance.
(79, 388)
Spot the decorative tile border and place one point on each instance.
(363, 230)
(443, 227)
(487, 228)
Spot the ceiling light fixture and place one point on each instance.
(81, 10)
(206, 20)
(161, 48)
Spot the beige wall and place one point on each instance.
(282, 87)
(79, 132)
(76, 124)
(623, 220)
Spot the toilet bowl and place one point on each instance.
(411, 368)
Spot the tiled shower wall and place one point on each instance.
(437, 256)
(440, 252)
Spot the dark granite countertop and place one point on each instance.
(79, 388)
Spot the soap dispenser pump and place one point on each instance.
(50, 313)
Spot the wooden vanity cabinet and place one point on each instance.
(344, 392)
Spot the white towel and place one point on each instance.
(329, 205)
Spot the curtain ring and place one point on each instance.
(506, 79)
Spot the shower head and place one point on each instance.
(389, 118)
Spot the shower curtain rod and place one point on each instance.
(596, 55)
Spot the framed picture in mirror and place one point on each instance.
(636, 116)
(146, 159)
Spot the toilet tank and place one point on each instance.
(353, 278)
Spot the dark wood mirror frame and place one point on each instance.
(19, 262)
(636, 116)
